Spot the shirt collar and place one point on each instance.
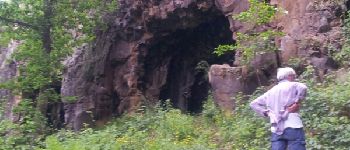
(284, 80)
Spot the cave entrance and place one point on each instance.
(188, 54)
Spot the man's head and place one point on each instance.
(286, 74)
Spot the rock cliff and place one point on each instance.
(312, 36)
(161, 49)
(152, 50)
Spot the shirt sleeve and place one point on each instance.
(301, 91)
(259, 105)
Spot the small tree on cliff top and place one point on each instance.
(255, 40)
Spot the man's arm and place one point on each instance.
(301, 91)
(259, 105)
(301, 94)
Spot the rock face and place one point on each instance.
(8, 70)
(226, 82)
(161, 49)
(313, 30)
(151, 51)
(312, 35)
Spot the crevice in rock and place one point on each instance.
(54, 110)
(55, 114)
(199, 91)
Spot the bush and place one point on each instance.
(170, 129)
(326, 115)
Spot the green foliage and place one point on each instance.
(166, 128)
(222, 49)
(157, 128)
(26, 134)
(253, 42)
(71, 25)
(48, 31)
(344, 55)
(325, 114)
(259, 13)
(256, 43)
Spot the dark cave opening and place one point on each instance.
(188, 54)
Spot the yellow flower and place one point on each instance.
(122, 140)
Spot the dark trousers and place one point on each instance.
(292, 138)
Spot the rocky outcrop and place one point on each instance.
(8, 70)
(150, 51)
(155, 50)
(313, 30)
(226, 82)
(312, 35)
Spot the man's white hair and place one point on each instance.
(283, 73)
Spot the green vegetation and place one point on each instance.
(344, 55)
(326, 111)
(166, 128)
(325, 114)
(49, 31)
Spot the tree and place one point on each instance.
(49, 30)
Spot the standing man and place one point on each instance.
(281, 104)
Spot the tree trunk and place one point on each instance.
(47, 25)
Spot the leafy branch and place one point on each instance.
(49, 30)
